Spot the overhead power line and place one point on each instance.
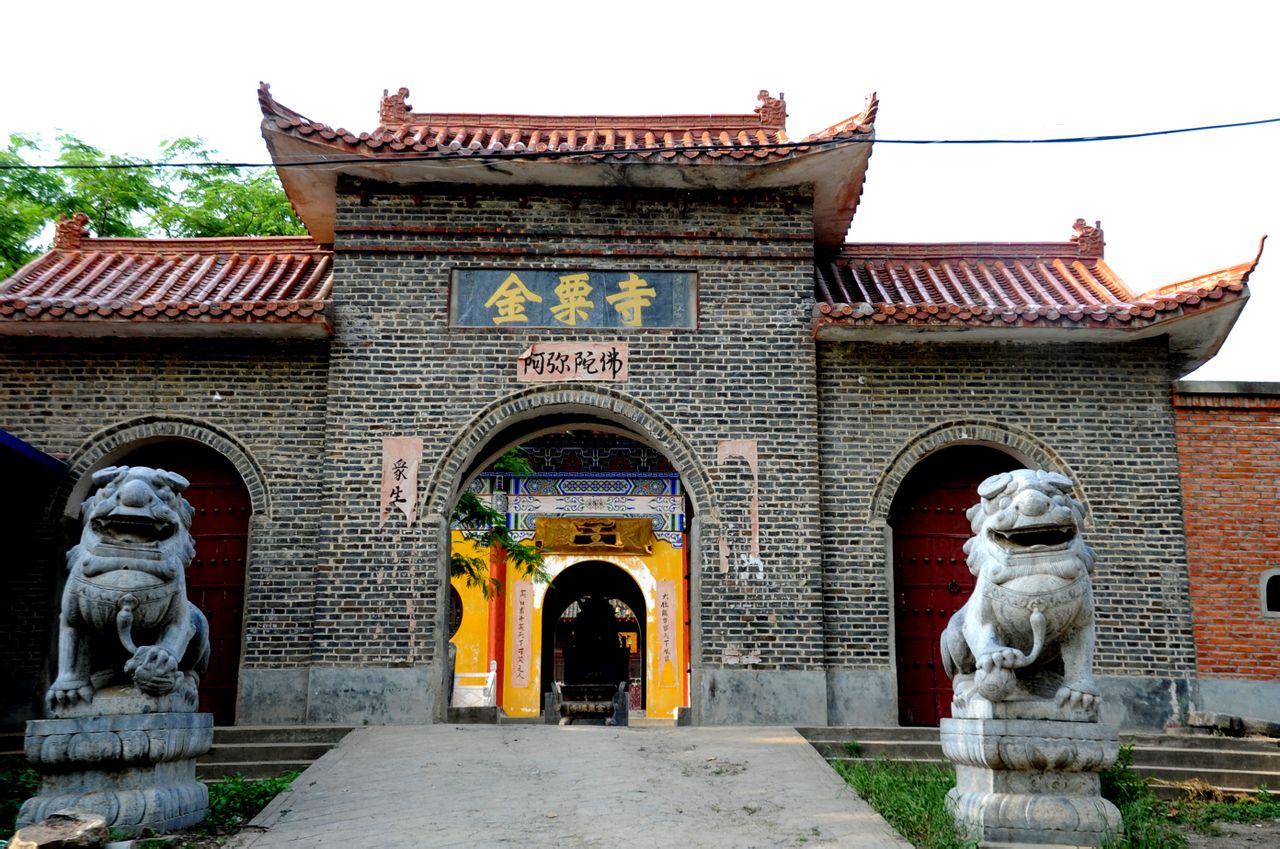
(1081, 139)
(484, 154)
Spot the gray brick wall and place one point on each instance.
(329, 587)
(747, 371)
(57, 394)
(1102, 410)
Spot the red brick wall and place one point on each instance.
(1229, 453)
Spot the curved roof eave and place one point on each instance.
(832, 163)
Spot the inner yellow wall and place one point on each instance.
(472, 638)
(665, 690)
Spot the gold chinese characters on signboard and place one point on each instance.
(578, 298)
(594, 536)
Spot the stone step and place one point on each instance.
(330, 734)
(873, 749)
(207, 771)
(1202, 742)
(1144, 757)
(1237, 759)
(503, 719)
(267, 752)
(11, 743)
(850, 760)
(841, 733)
(1232, 765)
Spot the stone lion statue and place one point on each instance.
(1027, 631)
(126, 595)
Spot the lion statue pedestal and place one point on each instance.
(123, 735)
(1024, 733)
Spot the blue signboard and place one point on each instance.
(505, 297)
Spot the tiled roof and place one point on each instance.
(557, 150)
(239, 286)
(760, 134)
(879, 290)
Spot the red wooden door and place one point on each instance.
(931, 580)
(215, 579)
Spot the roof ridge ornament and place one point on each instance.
(1089, 241)
(68, 233)
(772, 110)
(395, 108)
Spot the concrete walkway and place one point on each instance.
(539, 785)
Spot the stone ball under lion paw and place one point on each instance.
(996, 685)
(155, 670)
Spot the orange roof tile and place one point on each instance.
(870, 289)
(759, 134)
(259, 285)
(430, 140)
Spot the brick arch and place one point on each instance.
(498, 426)
(1025, 447)
(115, 441)
(475, 440)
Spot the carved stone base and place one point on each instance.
(136, 770)
(1031, 781)
(123, 700)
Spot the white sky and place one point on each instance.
(124, 76)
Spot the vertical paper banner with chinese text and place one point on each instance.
(667, 634)
(400, 458)
(522, 634)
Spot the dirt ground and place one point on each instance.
(1238, 834)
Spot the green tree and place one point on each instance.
(25, 200)
(183, 193)
(219, 200)
(120, 200)
(487, 528)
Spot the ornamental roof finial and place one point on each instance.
(69, 232)
(1089, 241)
(395, 108)
(772, 110)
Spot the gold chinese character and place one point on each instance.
(572, 291)
(633, 294)
(510, 298)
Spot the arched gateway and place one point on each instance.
(611, 516)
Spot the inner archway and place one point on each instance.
(931, 579)
(609, 515)
(592, 616)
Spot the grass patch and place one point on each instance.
(18, 783)
(235, 800)
(1153, 823)
(1148, 821)
(1203, 811)
(910, 796)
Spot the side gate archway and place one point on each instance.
(939, 469)
(216, 576)
(227, 492)
(930, 577)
